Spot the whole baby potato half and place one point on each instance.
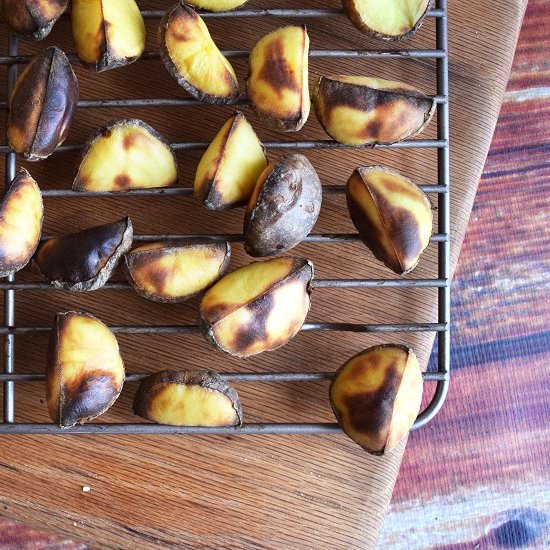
(84, 372)
(258, 307)
(193, 59)
(277, 83)
(21, 215)
(392, 214)
(283, 208)
(32, 19)
(42, 105)
(390, 20)
(84, 261)
(174, 271)
(360, 110)
(107, 33)
(217, 5)
(188, 398)
(126, 154)
(376, 396)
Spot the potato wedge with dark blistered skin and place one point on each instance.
(42, 105)
(21, 215)
(84, 261)
(32, 19)
(192, 58)
(277, 83)
(217, 5)
(284, 207)
(124, 155)
(174, 271)
(359, 110)
(258, 307)
(228, 170)
(392, 214)
(376, 396)
(188, 398)
(107, 34)
(84, 372)
(390, 20)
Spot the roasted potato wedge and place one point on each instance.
(284, 207)
(174, 271)
(42, 105)
(188, 398)
(360, 110)
(392, 214)
(277, 81)
(258, 307)
(32, 19)
(192, 58)
(107, 34)
(217, 5)
(376, 396)
(228, 170)
(123, 155)
(390, 20)
(84, 371)
(84, 261)
(21, 215)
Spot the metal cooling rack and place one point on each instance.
(9, 329)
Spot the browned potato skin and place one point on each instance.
(209, 380)
(283, 208)
(42, 105)
(134, 261)
(32, 19)
(378, 420)
(84, 261)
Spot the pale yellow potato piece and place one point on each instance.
(217, 5)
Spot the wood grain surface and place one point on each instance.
(242, 492)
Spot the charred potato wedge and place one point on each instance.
(392, 214)
(376, 396)
(360, 110)
(124, 155)
(188, 398)
(32, 19)
(21, 215)
(228, 170)
(258, 307)
(192, 58)
(177, 270)
(277, 82)
(42, 105)
(84, 261)
(390, 20)
(284, 207)
(217, 5)
(84, 371)
(107, 34)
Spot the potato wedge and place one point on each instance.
(284, 207)
(42, 105)
(228, 170)
(84, 371)
(217, 5)
(21, 215)
(392, 214)
(277, 81)
(174, 271)
(359, 110)
(124, 155)
(390, 20)
(107, 34)
(84, 261)
(188, 398)
(258, 307)
(32, 19)
(376, 396)
(192, 58)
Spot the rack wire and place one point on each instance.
(9, 286)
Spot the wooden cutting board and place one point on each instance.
(242, 492)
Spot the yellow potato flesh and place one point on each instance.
(217, 5)
(87, 20)
(125, 28)
(374, 82)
